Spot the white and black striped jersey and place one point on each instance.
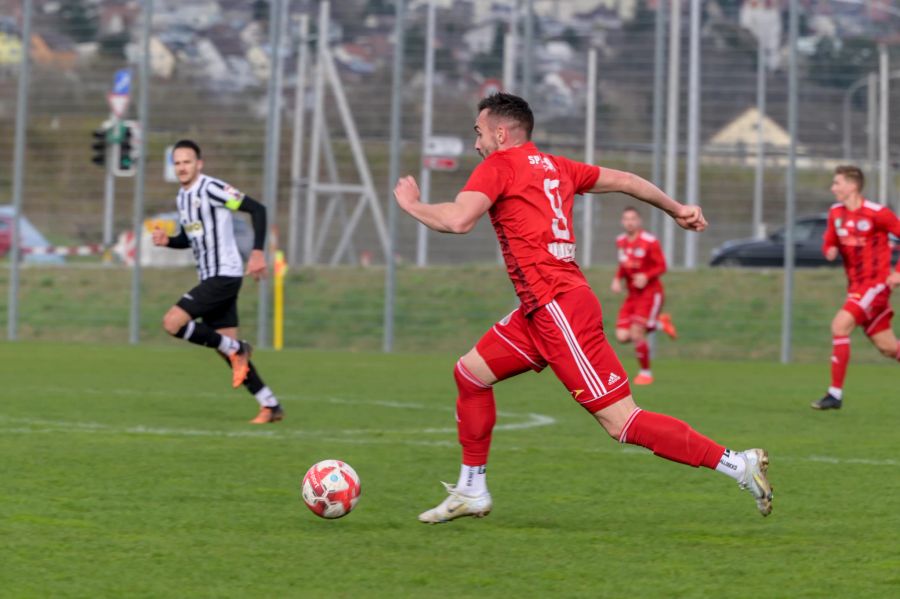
(205, 211)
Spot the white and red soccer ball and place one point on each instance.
(330, 489)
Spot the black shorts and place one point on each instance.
(214, 300)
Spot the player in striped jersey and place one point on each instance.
(207, 314)
(641, 264)
(858, 231)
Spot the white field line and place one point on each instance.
(531, 420)
(40, 426)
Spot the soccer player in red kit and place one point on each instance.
(530, 196)
(858, 230)
(641, 264)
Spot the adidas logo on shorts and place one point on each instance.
(613, 378)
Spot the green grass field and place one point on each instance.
(732, 314)
(131, 472)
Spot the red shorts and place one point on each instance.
(566, 334)
(642, 308)
(871, 308)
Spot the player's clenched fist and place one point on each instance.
(690, 218)
(160, 237)
(407, 192)
(893, 280)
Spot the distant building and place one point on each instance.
(742, 131)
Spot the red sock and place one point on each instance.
(476, 414)
(642, 351)
(671, 438)
(840, 357)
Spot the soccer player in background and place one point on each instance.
(858, 231)
(530, 196)
(641, 264)
(207, 314)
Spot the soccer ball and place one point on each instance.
(330, 489)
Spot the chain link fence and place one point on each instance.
(210, 65)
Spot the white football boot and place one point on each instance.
(457, 505)
(755, 480)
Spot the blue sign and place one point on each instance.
(122, 82)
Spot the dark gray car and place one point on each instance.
(808, 231)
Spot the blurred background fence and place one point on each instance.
(213, 65)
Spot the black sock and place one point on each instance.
(199, 334)
(253, 382)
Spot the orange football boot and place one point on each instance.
(240, 364)
(268, 415)
(643, 379)
(668, 327)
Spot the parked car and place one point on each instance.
(808, 231)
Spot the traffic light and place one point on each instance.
(125, 149)
(98, 146)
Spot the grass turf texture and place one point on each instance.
(132, 472)
(730, 314)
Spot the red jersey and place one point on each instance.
(861, 235)
(642, 255)
(532, 197)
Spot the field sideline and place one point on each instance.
(131, 471)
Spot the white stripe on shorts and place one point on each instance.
(584, 365)
(869, 296)
(654, 311)
(513, 345)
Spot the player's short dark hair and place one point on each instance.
(190, 144)
(631, 209)
(852, 173)
(511, 107)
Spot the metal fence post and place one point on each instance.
(671, 187)
(15, 254)
(787, 317)
(137, 223)
(394, 174)
(277, 18)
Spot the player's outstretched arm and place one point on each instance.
(612, 180)
(458, 216)
(256, 263)
(162, 239)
